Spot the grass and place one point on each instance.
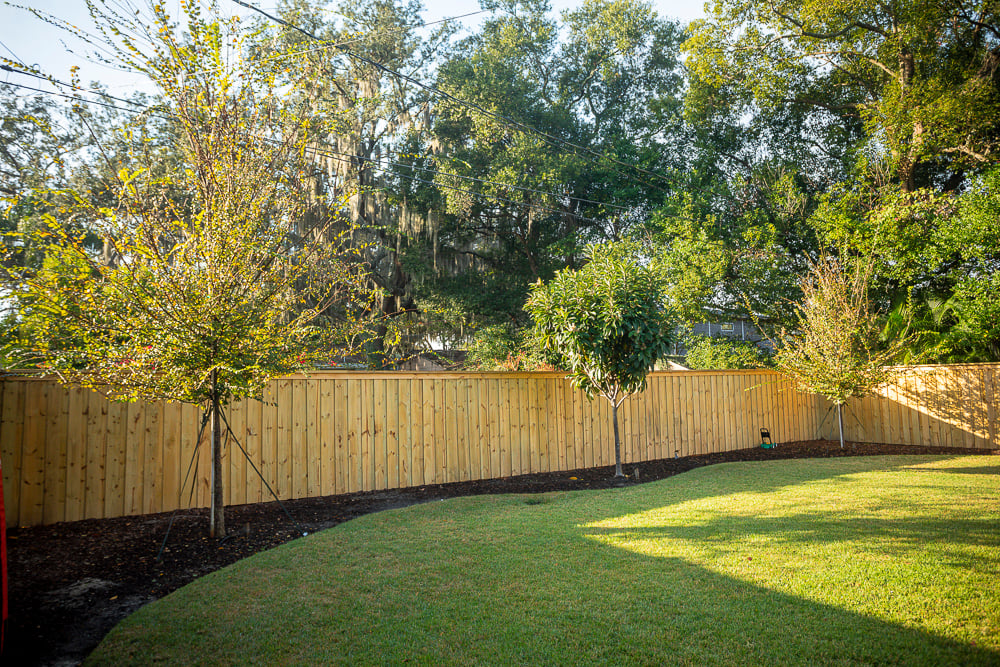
(873, 560)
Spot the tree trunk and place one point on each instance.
(618, 449)
(840, 422)
(216, 517)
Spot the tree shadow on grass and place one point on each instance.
(704, 617)
(545, 584)
(781, 628)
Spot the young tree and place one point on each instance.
(222, 271)
(605, 323)
(834, 351)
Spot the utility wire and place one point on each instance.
(343, 157)
(8, 68)
(10, 51)
(473, 178)
(552, 140)
(75, 98)
(537, 207)
(326, 46)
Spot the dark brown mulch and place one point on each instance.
(70, 583)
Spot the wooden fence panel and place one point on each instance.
(70, 454)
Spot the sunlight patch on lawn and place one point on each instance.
(920, 550)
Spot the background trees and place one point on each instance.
(473, 165)
(885, 114)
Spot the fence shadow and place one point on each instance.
(935, 406)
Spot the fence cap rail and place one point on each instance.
(353, 374)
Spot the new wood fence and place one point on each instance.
(935, 406)
(69, 454)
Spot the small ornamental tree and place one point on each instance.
(220, 269)
(605, 323)
(834, 351)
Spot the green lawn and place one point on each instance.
(837, 561)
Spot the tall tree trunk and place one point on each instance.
(840, 422)
(618, 449)
(217, 518)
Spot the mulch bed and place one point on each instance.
(70, 583)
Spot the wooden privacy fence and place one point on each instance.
(69, 454)
(935, 406)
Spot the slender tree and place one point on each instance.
(220, 272)
(834, 351)
(605, 323)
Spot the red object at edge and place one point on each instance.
(3, 562)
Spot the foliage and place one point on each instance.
(835, 351)
(504, 348)
(213, 268)
(605, 323)
(913, 83)
(885, 115)
(510, 206)
(733, 245)
(706, 353)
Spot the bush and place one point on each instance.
(704, 353)
(504, 348)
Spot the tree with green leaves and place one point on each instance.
(605, 323)
(600, 85)
(220, 274)
(885, 112)
(834, 350)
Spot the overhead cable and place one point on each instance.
(551, 139)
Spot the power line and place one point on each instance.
(8, 68)
(477, 180)
(75, 98)
(332, 45)
(538, 207)
(9, 50)
(509, 122)
(345, 157)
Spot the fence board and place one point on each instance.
(380, 427)
(116, 446)
(404, 434)
(54, 496)
(440, 433)
(252, 442)
(353, 438)
(152, 474)
(12, 415)
(76, 455)
(429, 466)
(462, 429)
(33, 454)
(171, 461)
(339, 435)
(298, 466)
(269, 438)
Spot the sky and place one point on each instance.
(25, 38)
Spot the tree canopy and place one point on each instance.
(605, 323)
